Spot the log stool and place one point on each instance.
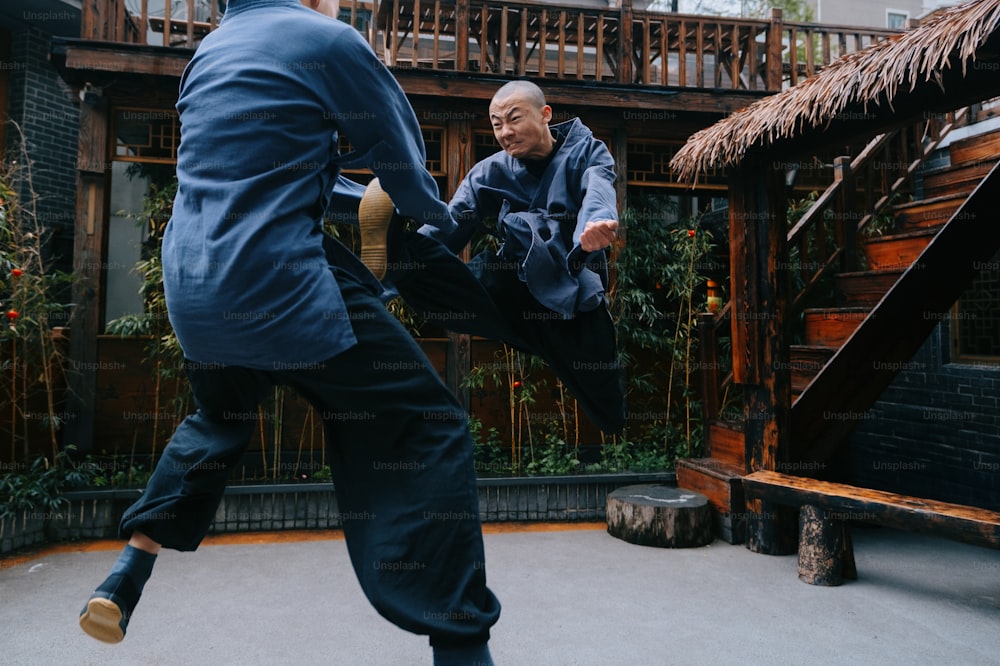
(659, 515)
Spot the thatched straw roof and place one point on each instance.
(861, 79)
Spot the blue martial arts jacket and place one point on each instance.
(540, 219)
(261, 105)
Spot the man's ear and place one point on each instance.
(546, 113)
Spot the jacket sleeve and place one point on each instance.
(372, 111)
(597, 187)
(464, 209)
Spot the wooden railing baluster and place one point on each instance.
(722, 50)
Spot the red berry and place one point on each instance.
(16, 272)
(13, 314)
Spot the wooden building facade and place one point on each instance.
(643, 81)
(769, 120)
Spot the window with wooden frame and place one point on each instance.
(484, 144)
(648, 165)
(143, 167)
(434, 142)
(145, 135)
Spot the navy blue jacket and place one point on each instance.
(261, 105)
(541, 219)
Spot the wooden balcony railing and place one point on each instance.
(541, 39)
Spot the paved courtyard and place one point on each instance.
(572, 596)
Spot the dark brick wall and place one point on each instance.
(935, 432)
(43, 106)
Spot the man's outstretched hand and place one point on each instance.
(598, 234)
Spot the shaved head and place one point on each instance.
(520, 119)
(525, 90)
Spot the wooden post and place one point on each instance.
(459, 155)
(462, 35)
(846, 227)
(757, 234)
(88, 263)
(625, 42)
(373, 25)
(826, 556)
(90, 18)
(709, 368)
(773, 49)
(619, 152)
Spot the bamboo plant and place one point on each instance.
(31, 363)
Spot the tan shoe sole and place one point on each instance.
(374, 215)
(102, 620)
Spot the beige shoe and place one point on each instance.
(106, 615)
(375, 212)
(104, 620)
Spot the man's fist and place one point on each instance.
(598, 234)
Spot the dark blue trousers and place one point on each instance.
(401, 455)
(487, 298)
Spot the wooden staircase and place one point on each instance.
(836, 369)
(888, 255)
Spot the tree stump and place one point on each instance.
(826, 555)
(659, 515)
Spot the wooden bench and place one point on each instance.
(826, 554)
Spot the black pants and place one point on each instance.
(486, 298)
(402, 464)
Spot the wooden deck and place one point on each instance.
(539, 39)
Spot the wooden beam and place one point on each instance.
(449, 84)
(88, 263)
(84, 61)
(757, 228)
(619, 152)
(625, 43)
(772, 57)
(459, 159)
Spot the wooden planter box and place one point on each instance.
(94, 514)
(91, 514)
(314, 505)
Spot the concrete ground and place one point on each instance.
(572, 596)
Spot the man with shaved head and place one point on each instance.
(548, 197)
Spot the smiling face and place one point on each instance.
(521, 123)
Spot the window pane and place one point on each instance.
(896, 20)
(976, 328)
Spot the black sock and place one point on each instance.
(136, 563)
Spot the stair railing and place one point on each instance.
(863, 189)
(824, 238)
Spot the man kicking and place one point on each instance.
(549, 196)
(258, 297)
